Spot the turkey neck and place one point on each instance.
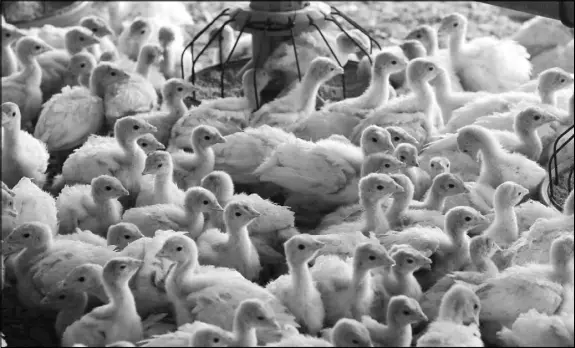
(398, 329)
(9, 60)
(360, 282)
(444, 95)
(129, 145)
(162, 182)
(532, 146)
(562, 269)
(31, 73)
(177, 109)
(167, 66)
(245, 334)
(378, 91)
(29, 253)
(204, 153)
(239, 240)
(505, 222)
(308, 93)
(104, 206)
(69, 315)
(84, 80)
(120, 295)
(424, 92)
(375, 219)
(302, 279)
(11, 139)
(433, 45)
(400, 205)
(143, 67)
(548, 97)
(176, 276)
(434, 200)
(456, 42)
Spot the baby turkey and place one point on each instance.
(158, 186)
(115, 321)
(297, 290)
(234, 248)
(189, 217)
(402, 311)
(91, 207)
(23, 156)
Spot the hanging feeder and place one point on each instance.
(272, 23)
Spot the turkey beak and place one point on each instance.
(415, 163)
(146, 171)
(427, 263)
(94, 40)
(550, 118)
(497, 247)
(108, 31)
(11, 212)
(254, 213)
(44, 300)
(18, 33)
(217, 207)
(150, 128)
(47, 48)
(124, 192)
(276, 325)
(5, 118)
(339, 70)
(135, 264)
(191, 89)
(397, 188)
(161, 254)
(318, 245)
(466, 188)
(421, 316)
(220, 139)
(482, 220)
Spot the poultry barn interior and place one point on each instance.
(288, 173)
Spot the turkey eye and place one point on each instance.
(159, 165)
(81, 279)
(136, 127)
(402, 158)
(37, 47)
(475, 307)
(180, 89)
(455, 25)
(260, 318)
(94, 30)
(409, 261)
(238, 214)
(331, 69)
(374, 140)
(123, 267)
(380, 187)
(447, 166)
(406, 312)
(81, 38)
(14, 114)
(301, 247)
(8, 34)
(562, 80)
(216, 340)
(432, 165)
(467, 218)
(26, 235)
(393, 62)
(207, 137)
(536, 118)
(396, 139)
(126, 236)
(113, 73)
(205, 202)
(430, 68)
(61, 297)
(144, 145)
(386, 165)
(519, 193)
(108, 188)
(371, 258)
(451, 186)
(418, 36)
(82, 65)
(179, 248)
(143, 32)
(355, 341)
